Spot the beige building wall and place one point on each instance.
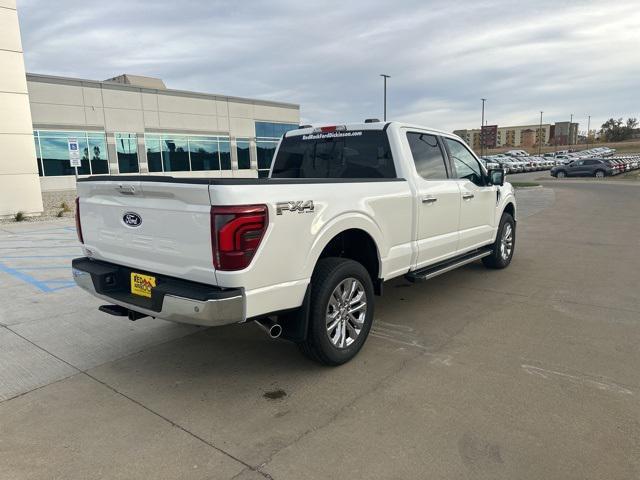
(60, 103)
(19, 182)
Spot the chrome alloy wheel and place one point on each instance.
(346, 312)
(506, 242)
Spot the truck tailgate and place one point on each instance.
(173, 236)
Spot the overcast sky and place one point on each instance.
(563, 57)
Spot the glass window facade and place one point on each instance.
(175, 153)
(98, 154)
(154, 157)
(53, 153)
(225, 154)
(265, 150)
(182, 153)
(267, 136)
(38, 154)
(244, 157)
(204, 155)
(127, 151)
(273, 130)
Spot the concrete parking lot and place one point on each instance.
(529, 372)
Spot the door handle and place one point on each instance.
(467, 196)
(429, 199)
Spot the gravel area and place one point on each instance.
(53, 206)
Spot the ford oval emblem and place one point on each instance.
(132, 219)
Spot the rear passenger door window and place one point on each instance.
(427, 156)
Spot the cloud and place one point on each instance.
(561, 57)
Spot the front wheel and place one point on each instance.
(341, 311)
(504, 246)
(561, 174)
(599, 174)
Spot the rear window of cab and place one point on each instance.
(342, 154)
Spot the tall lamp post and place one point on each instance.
(482, 129)
(571, 132)
(385, 94)
(540, 135)
(588, 130)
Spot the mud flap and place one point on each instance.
(295, 324)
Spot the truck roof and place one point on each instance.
(367, 126)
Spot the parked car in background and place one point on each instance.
(517, 153)
(492, 162)
(591, 167)
(520, 165)
(512, 165)
(618, 166)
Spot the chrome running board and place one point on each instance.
(431, 271)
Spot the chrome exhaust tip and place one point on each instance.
(273, 329)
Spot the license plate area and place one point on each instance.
(142, 285)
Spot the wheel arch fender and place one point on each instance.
(509, 207)
(348, 222)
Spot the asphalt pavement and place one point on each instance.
(528, 372)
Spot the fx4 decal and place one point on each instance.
(299, 206)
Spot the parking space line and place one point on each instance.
(41, 285)
(46, 267)
(25, 277)
(42, 230)
(37, 256)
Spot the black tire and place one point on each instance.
(497, 259)
(327, 277)
(561, 174)
(595, 174)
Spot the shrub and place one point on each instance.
(19, 217)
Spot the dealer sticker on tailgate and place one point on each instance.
(142, 284)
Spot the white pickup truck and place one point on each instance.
(303, 252)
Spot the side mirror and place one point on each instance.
(496, 176)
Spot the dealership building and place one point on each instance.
(124, 125)
(526, 136)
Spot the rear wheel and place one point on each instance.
(341, 311)
(504, 246)
(561, 174)
(599, 174)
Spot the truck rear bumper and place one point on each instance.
(173, 299)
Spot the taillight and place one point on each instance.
(78, 225)
(236, 233)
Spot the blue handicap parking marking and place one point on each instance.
(13, 257)
(23, 273)
(48, 268)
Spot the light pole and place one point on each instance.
(540, 135)
(385, 94)
(571, 132)
(482, 129)
(588, 130)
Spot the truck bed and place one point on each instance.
(231, 181)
